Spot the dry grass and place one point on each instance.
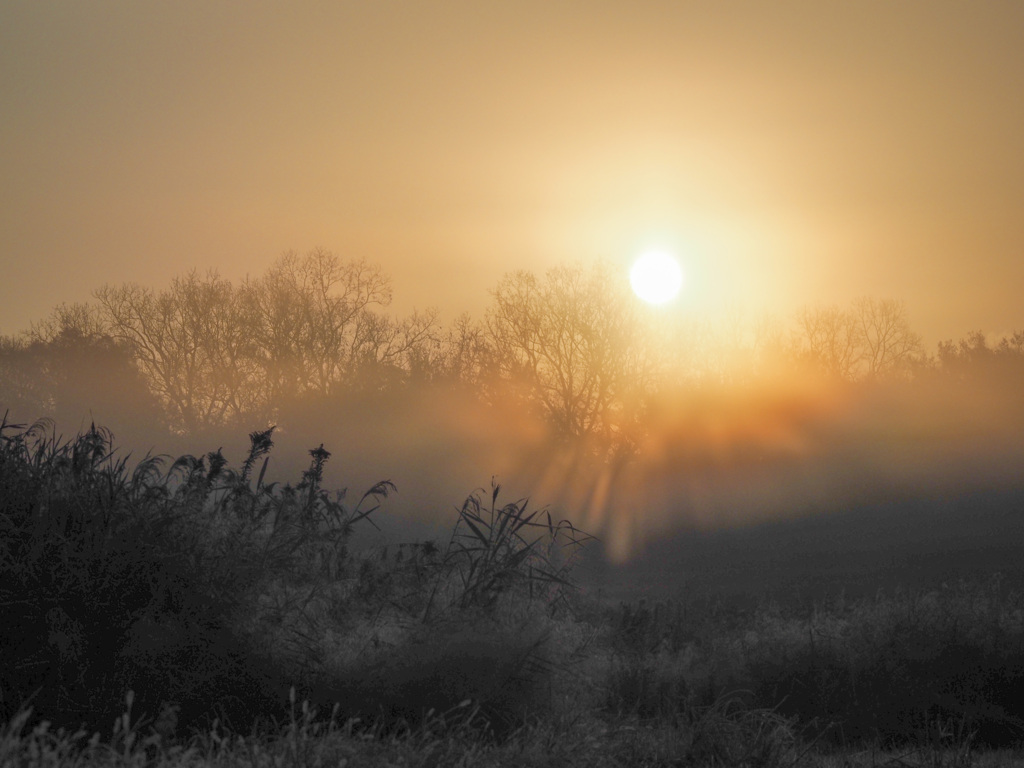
(198, 616)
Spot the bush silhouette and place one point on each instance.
(114, 580)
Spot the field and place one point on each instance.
(190, 613)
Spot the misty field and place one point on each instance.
(760, 546)
(628, 419)
(512, 384)
(190, 612)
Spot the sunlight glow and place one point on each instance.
(656, 277)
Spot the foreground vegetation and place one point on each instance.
(193, 613)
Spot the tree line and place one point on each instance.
(573, 347)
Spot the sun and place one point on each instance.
(656, 277)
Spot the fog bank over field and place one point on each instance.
(566, 391)
(719, 462)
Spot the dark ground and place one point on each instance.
(914, 543)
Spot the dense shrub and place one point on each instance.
(114, 579)
(211, 593)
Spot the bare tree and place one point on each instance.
(310, 321)
(463, 353)
(573, 340)
(889, 344)
(872, 339)
(85, 321)
(830, 340)
(318, 327)
(389, 353)
(190, 343)
(212, 352)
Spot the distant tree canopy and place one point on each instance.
(214, 352)
(871, 339)
(70, 369)
(973, 360)
(573, 347)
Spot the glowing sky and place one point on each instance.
(789, 152)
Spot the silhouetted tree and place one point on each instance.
(1012, 345)
(829, 339)
(889, 343)
(316, 330)
(24, 390)
(69, 368)
(394, 353)
(310, 320)
(974, 359)
(870, 340)
(574, 341)
(85, 321)
(305, 329)
(192, 343)
(458, 356)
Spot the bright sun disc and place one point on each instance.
(656, 277)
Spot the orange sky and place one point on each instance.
(790, 152)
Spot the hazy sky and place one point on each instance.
(789, 152)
